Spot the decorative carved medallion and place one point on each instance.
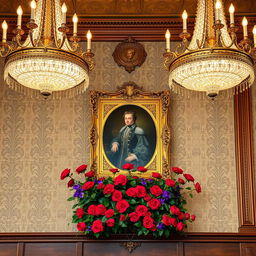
(129, 54)
(130, 245)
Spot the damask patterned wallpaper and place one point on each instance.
(39, 138)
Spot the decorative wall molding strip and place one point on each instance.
(244, 162)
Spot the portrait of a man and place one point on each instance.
(131, 143)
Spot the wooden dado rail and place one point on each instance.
(75, 244)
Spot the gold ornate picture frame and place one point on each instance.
(150, 130)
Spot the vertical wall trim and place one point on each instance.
(20, 249)
(244, 162)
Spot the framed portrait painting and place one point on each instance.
(130, 126)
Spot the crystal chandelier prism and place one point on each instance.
(46, 63)
(213, 60)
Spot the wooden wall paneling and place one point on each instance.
(20, 249)
(244, 162)
(248, 249)
(212, 249)
(50, 249)
(8, 249)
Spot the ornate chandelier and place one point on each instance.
(46, 61)
(213, 60)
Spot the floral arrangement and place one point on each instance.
(129, 204)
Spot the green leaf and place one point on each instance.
(71, 198)
(97, 235)
(133, 183)
(167, 233)
(191, 195)
(74, 206)
(140, 233)
(132, 201)
(188, 188)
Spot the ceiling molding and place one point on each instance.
(119, 28)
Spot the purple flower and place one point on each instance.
(89, 228)
(98, 181)
(162, 200)
(77, 186)
(160, 226)
(143, 182)
(166, 194)
(150, 180)
(79, 194)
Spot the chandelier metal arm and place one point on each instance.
(5, 49)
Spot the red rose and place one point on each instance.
(127, 166)
(153, 228)
(92, 209)
(141, 210)
(117, 196)
(81, 168)
(148, 214)
(97, 226)
(177, 170)
(113, 170)
(110, 222)
(100, 186)
(81, 226)
(148, 222)
(132, 192)
(90, 174)
(170, 182)
(181, 216)
(173, 222)
(174, 210)
(100, 209)
(87, 185)
(141, 191)
(122, 217)
(189, 177)
(181, 181)
(65, 173)
(120, 179)
(156, 190)
(71, 183)
(166, 220)
(141, 169)
(80, 213)
(147, 197)
(134, 216)
(102, 178)
(122, 206)
(135, 177)
(154, 204)
(109, 189)
(109, 213)
(156, 175)
(198, 187)
(187, 216)
(193, 217)
(180, 226)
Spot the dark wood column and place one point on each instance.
(244, 162)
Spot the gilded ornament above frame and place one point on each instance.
(150, 131)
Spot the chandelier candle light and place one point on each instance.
(213, 60)
(46, 62)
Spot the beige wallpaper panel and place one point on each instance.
(39, 138)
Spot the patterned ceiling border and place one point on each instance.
(115, 28)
